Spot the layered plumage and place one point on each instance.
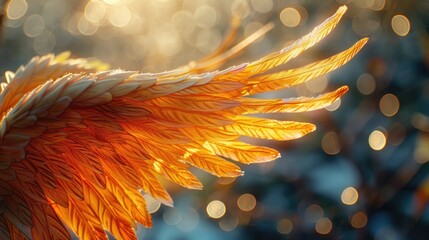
(80, 143)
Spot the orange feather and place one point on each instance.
(80, 143)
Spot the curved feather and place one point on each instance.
(242, 152)
(299, 75)
(269, 128)
(41, 69)
(79, 145)
(301, 104)
(83, 221)
(296, 48)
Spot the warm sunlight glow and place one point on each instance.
(366, 84)
(331, 144)
(205, 17)
(152, 204)
(334, 106)
(216, 209)
(359, 220)
(377, 140)
(349, 196)
(318, 85)
(401, 25)
(389, 105)
(95, 11)
(16, 9)
(246, 202)
(290, 17)
(225, 180)
(324, 226)
(34, 25)
(119, 16)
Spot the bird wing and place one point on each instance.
(79, 145)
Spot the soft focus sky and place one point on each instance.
(362, 175)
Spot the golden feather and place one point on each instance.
(78, 142)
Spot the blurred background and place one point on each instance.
(361, 175)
